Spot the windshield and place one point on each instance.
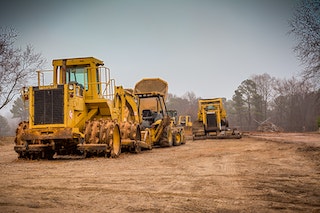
(79, 75)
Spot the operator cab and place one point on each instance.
(77, 75)
(149, 117)
(84, 74)
(152, 109)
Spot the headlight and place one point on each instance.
(25, 93)
(71, 86)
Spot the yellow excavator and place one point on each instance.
(212, 121)
(76, 108)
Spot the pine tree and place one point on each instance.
(4, 126)
(19, 110)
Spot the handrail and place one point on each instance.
(106, 85)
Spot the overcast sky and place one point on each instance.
(201, 46)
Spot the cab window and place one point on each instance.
(78, 75)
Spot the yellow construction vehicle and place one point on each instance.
(178, 130)
(186, 123)
(212, 121)
(185, 120)
(156, 124)
(77, 109)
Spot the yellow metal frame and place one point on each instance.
(214, 105)
(100, 99)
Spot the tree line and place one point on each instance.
(291, 104)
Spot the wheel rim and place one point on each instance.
(116, 141)
(178, 138)
(170, 137)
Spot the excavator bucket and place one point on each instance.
(152, 85)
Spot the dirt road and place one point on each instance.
(280, 173)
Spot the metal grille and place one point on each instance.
(211, 122)
(48, 106)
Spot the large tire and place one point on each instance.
(177, 138)
(116, 141)
(104, 132)
(166, 139)
(183, 137)
(23, 126)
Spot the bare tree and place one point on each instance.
(296, 106)
(193, 104)
(305, 25)
(265, 84)
(16, 66)
(185, 105)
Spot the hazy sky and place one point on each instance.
(201, 46)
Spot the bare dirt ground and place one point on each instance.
(258, 173)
